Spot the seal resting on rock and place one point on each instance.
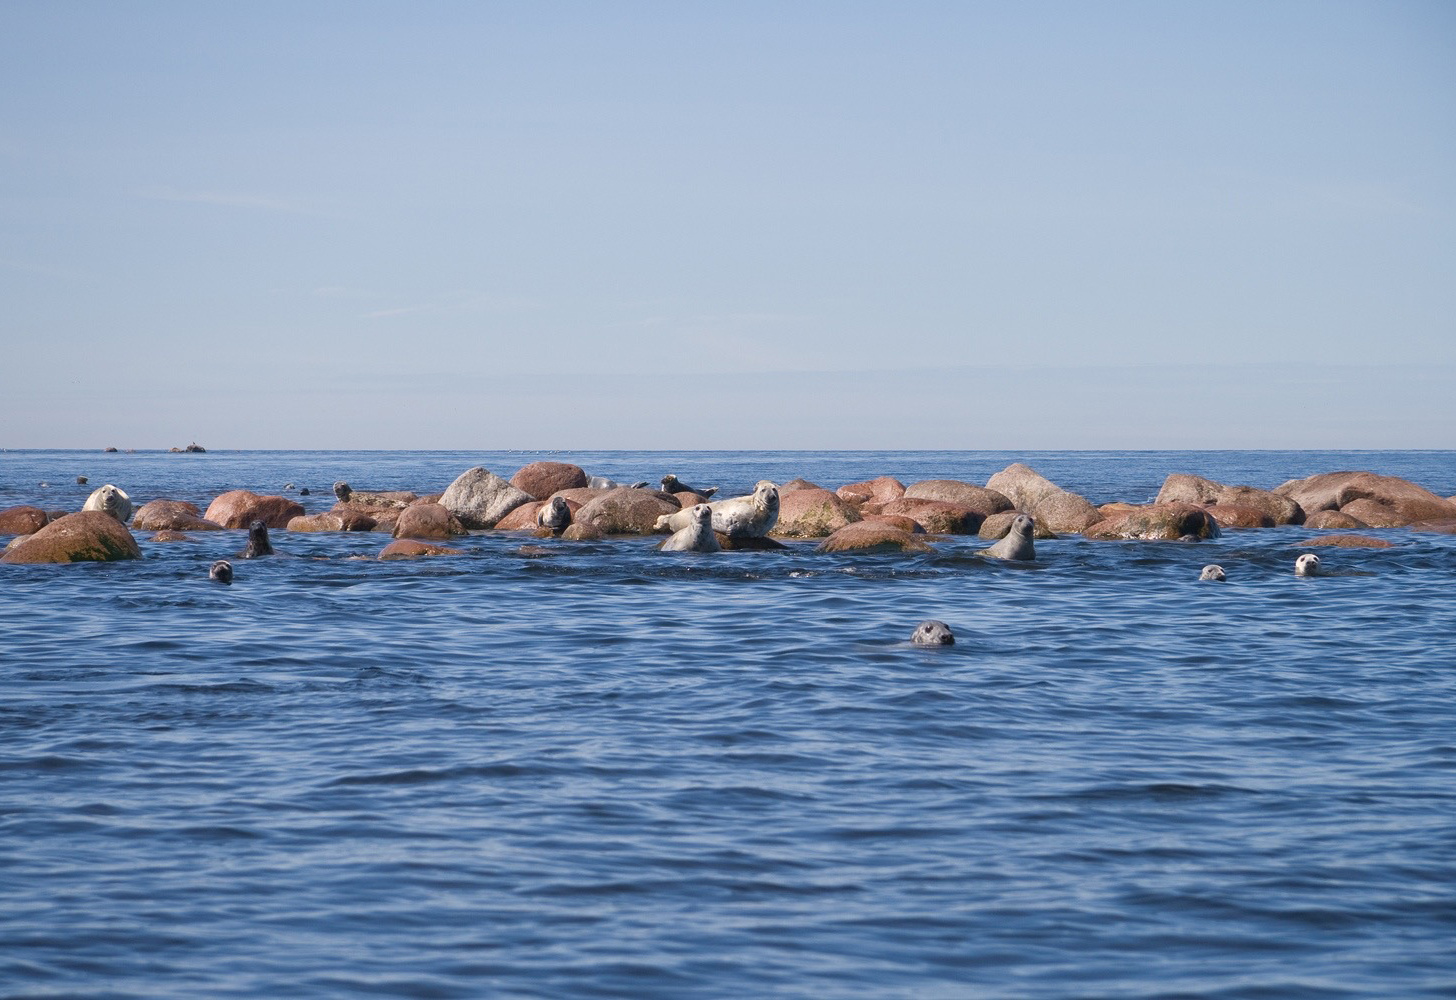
(1307, 565)
(221, 572)
(932, 633)
(258, 544)
(1213, 571)
(671, 484)
(554, 515)
(1017, 545)
(603, 483)
(111, 500)
(752, 516)
(697, 536)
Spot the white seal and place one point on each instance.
(1307, 565)
(554, 515)
(697, 536)
(112, 500)
(1017, 544)
(1213, 571)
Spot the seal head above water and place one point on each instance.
(1017, 545)
(932, 633)
(697, 535)
(111, 500)
(221, 572)
(1213, 571)
(258, 544)
(1307, 565)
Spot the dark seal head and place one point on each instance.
(342, 491)
(672, 484)
(221, 572)
(1213, 571)
(258, 544)
(932, 633)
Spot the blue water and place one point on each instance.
(595, 770)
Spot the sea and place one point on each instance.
(555, 769)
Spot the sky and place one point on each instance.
(674, 225)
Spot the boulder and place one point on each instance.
(752, 543)
(387, 499)
(936, 516)
(1051, 507)
(429, 520)
(1436, 527)
(1182, 488)
(1347, 542)
(480, 498)
(977, 498)
(1237, 515)
(541, 479)
(1374, 514)
(1164, 521)
(327, 521)
(871, 536)
(171, 515)
(239, 508)
(797, 484)
(998, 526)
(22, 520)
(580, 496)
(880, 490)
(409, 548)
(900, 521)
(578, 532)
(169, 535)
(523, 518)
(625, 511)
(811, 512)
(1332, 520)
(89, 536)
(1408, 502)
(357, 517)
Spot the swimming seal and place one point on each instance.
(1017, 544)
(697, 536)
(672, 484)
(554, 515)
(111, 500)
(932, 633)
(221, 572)
(258, 544)
(1213, 571)
(1307, 565)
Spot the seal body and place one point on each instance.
(258, 544)
(932, 633)
(555, 515)
(221, 572)
(671, 484)
(111, 500)
(1307, 565)
(1017, 545)
(1213, 571)
(752, 516)
(697, 535)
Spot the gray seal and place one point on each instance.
(1017, 544)
(1213, 571)
(221, 572)
(932, 633)
(342, 490)
(603, 483)
(1308, 565)
(112, 500)
(697, 536)
(672, 484)
(554, 515)
(258, 544)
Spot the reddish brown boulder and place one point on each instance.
(1347, 542)
(1435, 527)
(171, 515)
(812, 512)
(1332, 520)
(1164, 522)
(22, 520)
(169, 535)
(880, 490)
(754, 544)
(328, 521)
(239, 508)
(797, 484)
(998, 526)
(581, 497)
(1337, 490)
(541, 479)
(937, 517)
(870, 536)
(90, 536)
(430, 520)
(356, 517)
(1117, 507)
(977, 498)
(1374, 514)
(1182, 488)
(625, 511)
(427, 498)
(388, 499)
(523, 518)
(1237, 515)
(409, 548)
(1051, 507)
(899, 521)
(578, 532)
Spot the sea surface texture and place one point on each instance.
(590, 769)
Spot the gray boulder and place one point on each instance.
(480, 498)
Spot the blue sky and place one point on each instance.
(677, 225)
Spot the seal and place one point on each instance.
(1017, 545)
(342, 491)
(112, 500)
(932, 633)
(554, 515)
(697, 536)
(752, 516)
(221, 572)
(1213, 571)
(1307, 565)
(603, 483)
(258, 544)
(672, 484)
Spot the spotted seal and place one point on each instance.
(221, 572)
(1307, 565)
(111, 500)
(672, 484)
(1213, 571)
(697, 535)
(932, 633)
(258, 544)
(554, 515)
(1017, 545)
